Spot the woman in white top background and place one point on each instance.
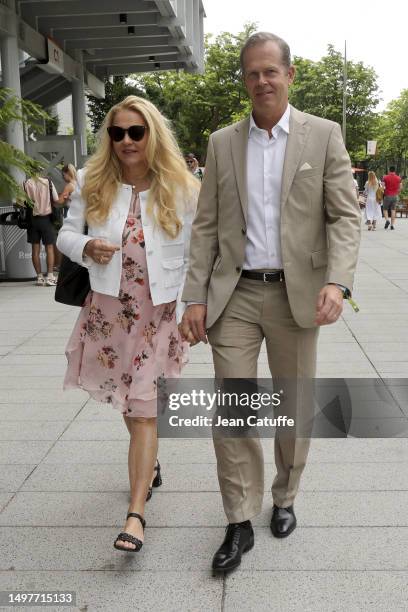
(69, 175)
(372, 207)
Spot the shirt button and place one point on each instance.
(243, 231)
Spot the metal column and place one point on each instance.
(11, 79)
(79, 106)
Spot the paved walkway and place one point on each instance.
(63, 477)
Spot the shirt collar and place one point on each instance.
(283, 123)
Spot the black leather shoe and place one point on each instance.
(283, 521)
(239, 538)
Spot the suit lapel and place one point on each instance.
(239, 150)
(298, 131)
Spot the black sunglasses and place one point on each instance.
(136, 132)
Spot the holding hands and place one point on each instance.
(192, 326)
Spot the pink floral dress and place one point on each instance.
(121, 345)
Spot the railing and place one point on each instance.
(4, 207)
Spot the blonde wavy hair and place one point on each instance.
(170, 177)
(372, 179)
(69, 169)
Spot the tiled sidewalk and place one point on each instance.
(63, 477)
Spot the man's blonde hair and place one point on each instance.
(260, 38)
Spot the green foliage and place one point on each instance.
(13, 108)
(318, 89)
(114, 92)
(52, 124)
(392, 133)
(198, 104)
(91, 140)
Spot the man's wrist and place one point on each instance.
(346, 292)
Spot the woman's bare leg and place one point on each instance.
(141, 461)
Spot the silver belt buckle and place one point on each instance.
(272, 274)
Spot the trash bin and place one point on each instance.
(16, 251)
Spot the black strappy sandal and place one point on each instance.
(157, 480)
(127, 537)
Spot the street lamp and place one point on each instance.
(344, 126)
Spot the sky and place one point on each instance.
(375, 31)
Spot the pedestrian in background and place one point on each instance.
(44, 195)
(373, 207)
(392, 183)
(194, 166)
(69, 175)
(64, 198)
(356, 187)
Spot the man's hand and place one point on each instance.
(192, 326)
(329, 305)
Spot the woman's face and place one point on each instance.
(130, 153)
(66, 177)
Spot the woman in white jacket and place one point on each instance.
(138, 200)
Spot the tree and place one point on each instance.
(392, 133)
(318, 89)
(198, 104)
(114, 92)
(33, 116)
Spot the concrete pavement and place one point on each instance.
(63, 477)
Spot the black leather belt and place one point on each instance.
(266, 277)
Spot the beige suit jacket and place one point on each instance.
(320, 217)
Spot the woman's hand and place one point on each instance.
(187, 335)
(100, 251)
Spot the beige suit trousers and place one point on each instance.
(258, 311)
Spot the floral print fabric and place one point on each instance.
(121, 345)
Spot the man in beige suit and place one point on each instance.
(274, 247)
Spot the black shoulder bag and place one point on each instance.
(57, 212)
(24, 214)
(73, 282)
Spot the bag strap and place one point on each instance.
(50, 191)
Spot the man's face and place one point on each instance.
(267, 80)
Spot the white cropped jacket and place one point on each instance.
(167, 258)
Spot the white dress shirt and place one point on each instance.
(264, 179)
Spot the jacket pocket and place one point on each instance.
(306, 173)
(319, 258)
(173, 271)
